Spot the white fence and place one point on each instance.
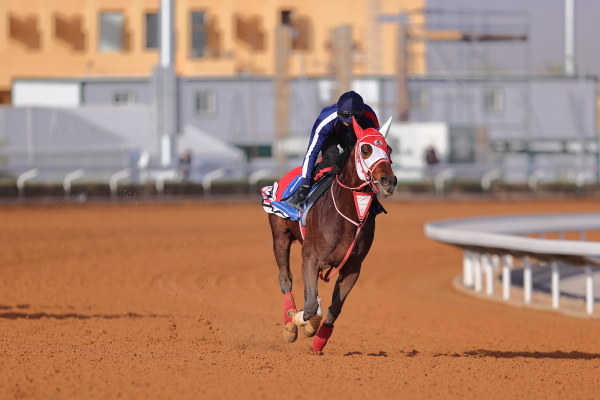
(491, 243)
(141, 175)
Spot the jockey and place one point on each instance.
(333, 127)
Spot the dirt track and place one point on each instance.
(182, 301)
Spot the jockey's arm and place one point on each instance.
(320, 132)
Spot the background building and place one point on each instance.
(74, 38)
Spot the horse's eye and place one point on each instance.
(365, 150)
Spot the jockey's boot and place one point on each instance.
(298, 198)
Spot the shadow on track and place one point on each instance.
(19, 315)
(573, 355)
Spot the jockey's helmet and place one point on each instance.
(350, 105)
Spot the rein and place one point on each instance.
(331, 271)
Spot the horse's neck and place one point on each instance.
(349, 176)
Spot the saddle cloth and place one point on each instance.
(275, 197)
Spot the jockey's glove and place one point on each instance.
(299, 197)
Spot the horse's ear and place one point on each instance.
(358, 131)
(385, 128)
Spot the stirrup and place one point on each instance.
(298, 206)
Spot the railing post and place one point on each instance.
(489, 275)
(25, 176)
(506, 267)
(477, 271)
(468, 268)
(441, 178)
(113, 182)
(589, 290)
(489, 177)
(582, 176)
(258, 175)
(534, 178)
(70, 177)
(210, 177)
(527, 281)
(555, 285)
(161, 177)
(495, 261)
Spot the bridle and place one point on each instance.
(365, 173)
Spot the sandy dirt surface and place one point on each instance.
(182, 301)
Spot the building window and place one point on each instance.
(111, 31)
(198, 33)
(124, 98)
(206, 103)
(152, 31)
(419, 99)
(286, 17)
(300, 29)
(24, 30)
(493, 101)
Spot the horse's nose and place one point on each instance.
(387, 184)
(389, 181)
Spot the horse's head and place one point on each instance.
(373, 158)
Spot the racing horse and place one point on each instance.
(339, 231)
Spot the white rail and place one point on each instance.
(535, 177)
(70, 177)
(440, 179)
(486, 238)
(258, 175)
(113, 182)
(24, 177)
(170, 174)
(210, 177)
(489, 177)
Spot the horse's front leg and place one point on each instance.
(282, 241)
(343, 286)
(308, 318)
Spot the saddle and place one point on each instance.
(275, 197)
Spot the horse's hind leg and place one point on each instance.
(343, 286)
(282, 241)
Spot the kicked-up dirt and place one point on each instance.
(164, 301)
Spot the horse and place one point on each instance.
(338, 234)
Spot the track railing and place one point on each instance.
(491, 243)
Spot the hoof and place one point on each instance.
(314, 353)
(290, 332)
(309, 330)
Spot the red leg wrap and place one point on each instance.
(288, 304)
(322, 337)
